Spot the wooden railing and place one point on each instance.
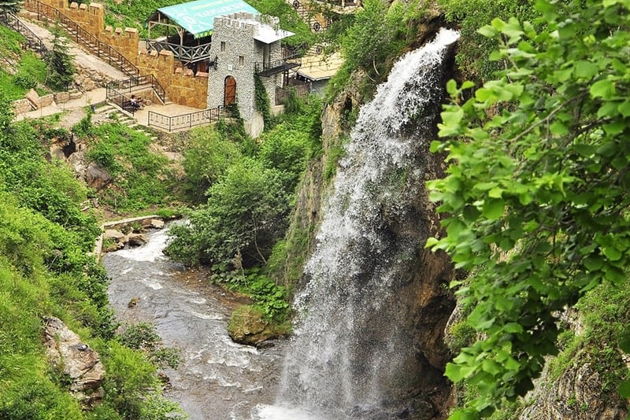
(184, 53)
(33, 42)
(186, 121)
(82, 37)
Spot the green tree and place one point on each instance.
(245, 214)
(10, 5)
(537, 191)
(60, 63)
(206, 159)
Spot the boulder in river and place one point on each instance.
(248, 326)
(136, 239)
(75, 360)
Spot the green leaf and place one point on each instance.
(585, 69)
(431, 242)
(493, 209)
(451, 87)
(491, 367)
(487, 31)
(603, 89)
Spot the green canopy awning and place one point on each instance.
(197, 17)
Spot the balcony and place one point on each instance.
(185, 53)
(269, 68)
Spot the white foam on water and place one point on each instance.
(155, 285)
(275, 412)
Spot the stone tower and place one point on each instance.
(245, 44)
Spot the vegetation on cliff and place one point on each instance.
(46, 269)
(536, 194)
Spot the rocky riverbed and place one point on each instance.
(217, 379)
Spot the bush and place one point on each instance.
(141, 177)
(245, 214)
(287, 150)
(206, 159)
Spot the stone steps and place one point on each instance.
(113, 113)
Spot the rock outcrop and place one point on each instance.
(576, 395)
(74, 359)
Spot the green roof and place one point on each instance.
(197, 17)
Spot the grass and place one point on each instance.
(31, 70)
(141, 178)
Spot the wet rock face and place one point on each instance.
(75, 360)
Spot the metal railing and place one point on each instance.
(102, 50)
(279, 65)
(184, 53)
(186, 121)
(136, 83)
(122, 101)
(33, 42)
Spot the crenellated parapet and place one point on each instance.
(182, 86)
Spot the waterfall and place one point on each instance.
(352, 354)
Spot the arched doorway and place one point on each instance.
(229, 91)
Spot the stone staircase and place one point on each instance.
(46, 13)
(109, 112)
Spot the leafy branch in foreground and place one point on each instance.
(537, 191)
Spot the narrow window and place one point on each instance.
(222, 46)
(241, 60)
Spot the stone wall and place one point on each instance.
(181, 85)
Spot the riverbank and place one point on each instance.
(217, 378)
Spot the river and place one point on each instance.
(217, 379)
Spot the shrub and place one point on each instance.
(206, 159)
(287, 150)
(245, 214)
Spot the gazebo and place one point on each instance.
(186, 29)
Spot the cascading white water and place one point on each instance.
(351, 352)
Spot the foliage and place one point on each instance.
(59, 63)
(206, 158)
(245, 213)
(378, 34)
(84, 127)
(10, 5)
(140, 175)
(289, 20)
(286, 149)
(470, 15)
(31, 71)
(143, 337)
(45, 270)
(335, 154)
(261, 100)
(536, 191)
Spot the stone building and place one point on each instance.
(246, 44)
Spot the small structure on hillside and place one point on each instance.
(246, 45)
(186, 29)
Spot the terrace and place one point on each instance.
(186, 29)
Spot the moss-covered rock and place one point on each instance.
(248, 326)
